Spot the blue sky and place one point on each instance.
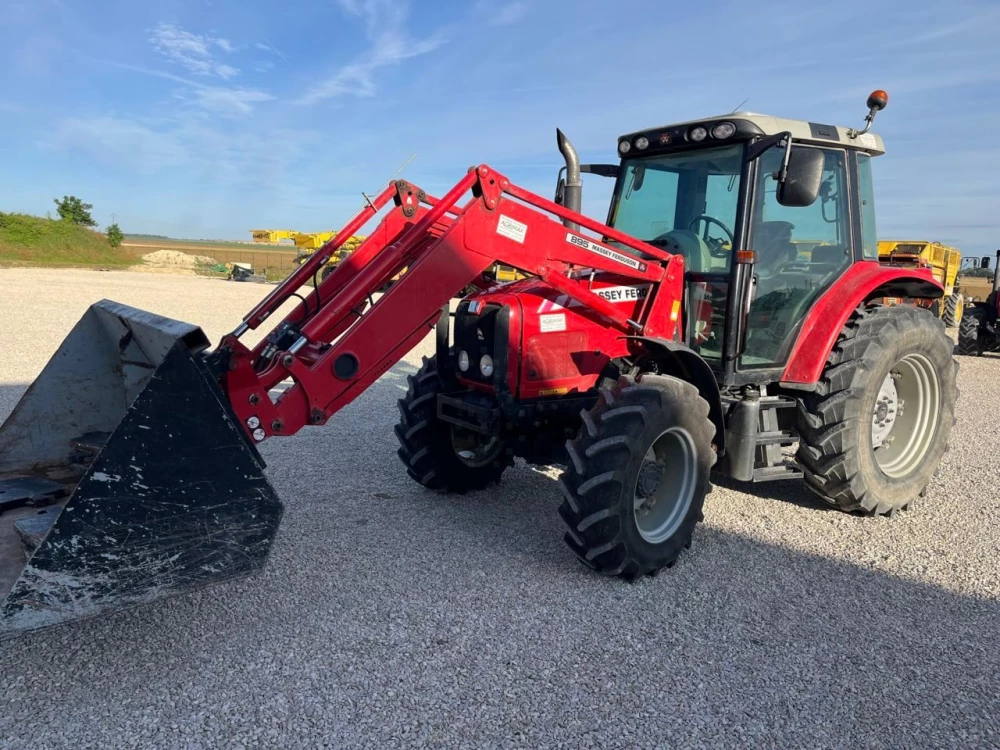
(205, 118)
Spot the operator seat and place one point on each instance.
(773, 243)
(691, 246)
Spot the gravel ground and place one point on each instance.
(389, 616)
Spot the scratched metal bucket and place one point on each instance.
(124, 477)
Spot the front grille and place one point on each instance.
(477, 335)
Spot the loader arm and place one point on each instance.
(336, 341)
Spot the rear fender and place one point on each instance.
(683, 362)
(863, 283)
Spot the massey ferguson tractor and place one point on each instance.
(979, 330)
(731, 307)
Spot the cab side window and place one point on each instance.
(801, 251)
(866, 192)
(824, 224)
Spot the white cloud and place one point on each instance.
(229, 101)
(501, 14)
(192, 51)
(121, 141)
(239, 155)
(266, 46)
(223, 100)
(385, 23)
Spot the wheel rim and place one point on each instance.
(665, 485)
(472, 450)
(959, 309)
(903, 419)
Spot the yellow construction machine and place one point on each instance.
(272, 236)
(308, 244)
(945, 263)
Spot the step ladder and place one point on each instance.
(771, 463)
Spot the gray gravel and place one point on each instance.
(390, 617)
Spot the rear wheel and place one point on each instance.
(637, 476)
(874, 432)
(968, 333)
(953, 310)
(439, 455)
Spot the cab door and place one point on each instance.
(800, 252)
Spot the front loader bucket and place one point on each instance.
(124, 476)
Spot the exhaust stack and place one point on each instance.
(574, 183)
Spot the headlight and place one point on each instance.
(697, 134)
(624, 147)
(486, 365)
(642, 142)
(463, 360)
(723, 130)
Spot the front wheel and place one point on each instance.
(436, 454)
(637, 476)
(874, 431)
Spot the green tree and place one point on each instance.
(115, 235)
(71, 208)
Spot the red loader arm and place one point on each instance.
(334, 343)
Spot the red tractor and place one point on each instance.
(731, 306)
(979, 330)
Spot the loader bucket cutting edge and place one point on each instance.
(124, 476)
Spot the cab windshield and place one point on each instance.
(684, 202)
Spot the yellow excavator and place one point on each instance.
(944, 261)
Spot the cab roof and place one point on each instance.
(753, 123)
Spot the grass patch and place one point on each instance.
(33, 241)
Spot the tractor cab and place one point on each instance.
(766, 211)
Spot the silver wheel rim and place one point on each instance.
(905, 414)
(664, 488)
(473, 450)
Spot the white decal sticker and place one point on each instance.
(623, 293)
(607, 252)
(552, 323)
(559, 303)
(867, 141)
(610, 293)
(512, 229)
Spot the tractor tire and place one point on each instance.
(969, 342)
(327, 270)
(859, 449)
(613, 459)
(426, 444)
(954, 307)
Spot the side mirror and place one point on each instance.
(638, 177)
(603, 170)
(560, 191)
(984, 262)
(560, 195)
(803, 178)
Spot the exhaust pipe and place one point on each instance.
(574, 184)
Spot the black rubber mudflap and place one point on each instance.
(176, 498)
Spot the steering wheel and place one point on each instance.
(715, 245)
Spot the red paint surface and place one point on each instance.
(445, 244)
(826, 320)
